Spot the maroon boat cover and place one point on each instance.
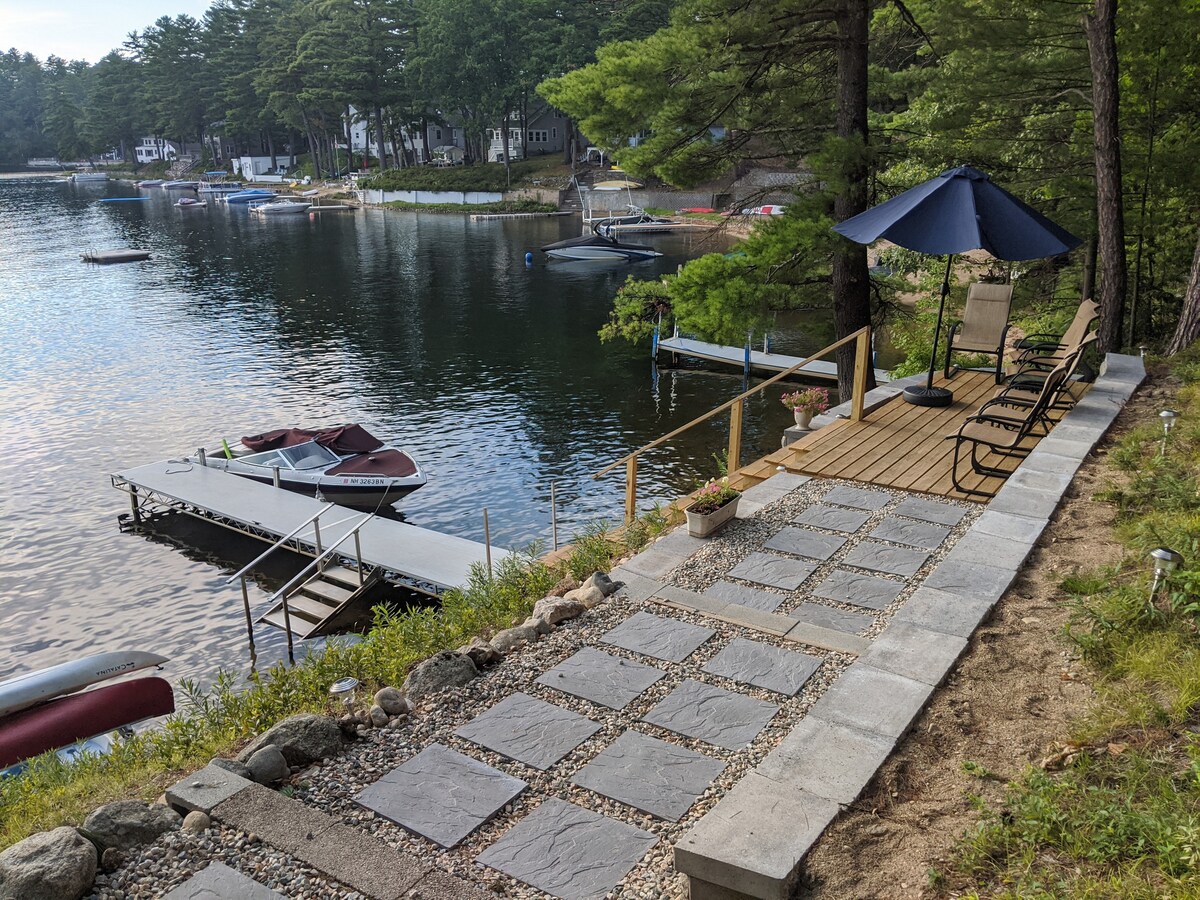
(385, 464)
(341, 440)
(79, 716)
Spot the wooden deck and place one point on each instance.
(897, 445)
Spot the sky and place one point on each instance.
(82, 29)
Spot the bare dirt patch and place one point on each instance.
(1006, 705)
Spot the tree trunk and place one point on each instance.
(851, 280)
(349, 129)
(425, 148)
(271, 149)
(1101, 29)
(379, 150)
(1088, 287)
(1188, 328)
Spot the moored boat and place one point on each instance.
(598, 247)
(279, 207)
(249, 195)
(179, 185)
(217, 183)
(345, 464)
(86, 177)
(151, 182)
(190, 203)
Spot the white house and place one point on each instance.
(149, 149)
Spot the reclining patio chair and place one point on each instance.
(984, 325)
(1045, 351)
(1002, 432)
(1025, 384)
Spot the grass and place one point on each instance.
(1122, 817)
(218, 720)
(547, 170)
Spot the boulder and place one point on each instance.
(51, 865)
(129, 823)
(557, 609)
(541, 626)
(589, 596)
(196, 822)
(301, 739)
(567, 584)
(268, 765)
(442, 670)
(231, 765)
(482, 653)
(600, 580)
(392, 701)
(510, 639)
(378, 717)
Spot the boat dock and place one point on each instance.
(425, 560)
(753, 359)
(488, 217)
(115, 256)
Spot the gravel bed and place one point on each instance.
(333, 786)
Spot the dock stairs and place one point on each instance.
(317, 604)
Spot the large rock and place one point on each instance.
(302, 740)
(589, 596)
(600, 580)
(442, 670)
(541, 626)
(568, 583)
(391, 701)
(129, 823)
(52, 865)
(553, 610)
(481, 652)
(268, 765)
(510, 639)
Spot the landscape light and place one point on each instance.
(1165, 561)
(343, 689)
(1142, 348)
(1167, 417)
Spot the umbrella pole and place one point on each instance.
(929, 395)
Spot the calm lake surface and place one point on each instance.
(427, 328)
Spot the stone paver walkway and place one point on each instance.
(834, 608)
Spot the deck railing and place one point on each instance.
(862, 367)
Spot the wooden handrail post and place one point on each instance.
(631, 489)
(733, 460)
(862, 363)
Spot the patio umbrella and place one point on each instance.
(959, 210)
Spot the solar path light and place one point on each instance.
(1168, 418)
(1166, 561)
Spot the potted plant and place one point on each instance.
(715, 504)
(806, 403)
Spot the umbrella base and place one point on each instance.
(927, 396)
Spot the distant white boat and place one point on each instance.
(179, 185)
(216, 183)
(279, 207)
(83, 177)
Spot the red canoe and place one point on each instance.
(75, 717)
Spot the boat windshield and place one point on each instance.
(310, 455)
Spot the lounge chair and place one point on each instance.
(984, 325)
(1002, 432)
(1045, 351)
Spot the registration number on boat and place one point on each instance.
(364, 481)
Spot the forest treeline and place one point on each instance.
(268, 73)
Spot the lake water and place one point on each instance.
(427, 328)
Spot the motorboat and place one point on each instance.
(216, 183)
(597, 246)
(179, 185)
(344, 464)
(60, 707)
(641, 223)
(279, 207)
(87, 177)
(151, 182)
(190, 203)
(249, 195)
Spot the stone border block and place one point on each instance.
(830, 760)
(634, 586)
(206, 789)
(827, 638)
(970, 579)
(217, 880)
(992, 550)
(286, 824)
(915, 652)
(753, 840)
(873, 700)
(936, 610)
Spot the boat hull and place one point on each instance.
(33, 688)
(78, 716)
(595, 254)
(363, 497)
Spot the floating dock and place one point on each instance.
(115, 256)
(425, 560)
(768, 362)
(487, 217)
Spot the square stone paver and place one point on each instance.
(774, 571)
(858, 498)
(217, 881)
(712, 714)
(764, 666)
(833, 518)
(905, 531)
(529, 730)
(651, 775)
(930, 511)
(870, 591)
(668, 639)
(828, 617)
(745, 596)
(601, 677)
(881, 558)
(567, 851)
(805, 543)
(441, 794)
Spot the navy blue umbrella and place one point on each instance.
(957, 211)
